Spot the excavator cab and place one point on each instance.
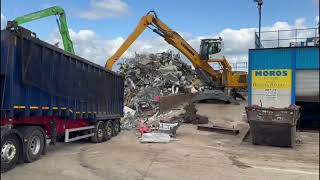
(209, 47)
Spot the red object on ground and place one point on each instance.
(156, 98)
(143, 128)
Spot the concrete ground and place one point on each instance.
(196, 155)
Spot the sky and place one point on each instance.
(98, 27)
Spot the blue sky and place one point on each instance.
(112, 19)
(196, 17)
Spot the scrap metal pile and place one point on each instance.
(148, 76)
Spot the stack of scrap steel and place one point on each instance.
(151, 75)
(148, 76)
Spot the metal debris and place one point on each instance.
(148, 76)
(169, 128)
(155, 138)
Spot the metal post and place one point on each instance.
(295, 38)
(259, 21)
(260, 2)
(278, 38)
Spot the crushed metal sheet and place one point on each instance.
(155, 138)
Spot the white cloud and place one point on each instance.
(89, 45)
(105, 8)
(237, 42)
(3, 21)
(316, 20)
(300, 23)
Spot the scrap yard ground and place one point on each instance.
(196, 155)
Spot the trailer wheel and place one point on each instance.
(10, 152)
(108, 130)
(34, 144)
(116, 127)
(99, 133)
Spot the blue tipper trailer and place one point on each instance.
(281, 76)
(50, 94)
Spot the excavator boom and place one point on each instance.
(144, 22)
(201, 62)
(62, 23)
(153, 22)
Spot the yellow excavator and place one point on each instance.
(210, 51)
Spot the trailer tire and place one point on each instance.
(35, 142)
(99, 133)
(10, 152)
(116, 127)
(108, 130)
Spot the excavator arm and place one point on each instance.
(144, 22)
(62, 23)
(206, 73)
(153, 22)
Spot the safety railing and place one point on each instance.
(236, 66)
(288, 38)
(240, 66)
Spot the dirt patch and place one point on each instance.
(190, 116)
(167, 103)
(238, 163)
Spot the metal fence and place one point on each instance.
(236, 66)
(288, 38)
(240, 66)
